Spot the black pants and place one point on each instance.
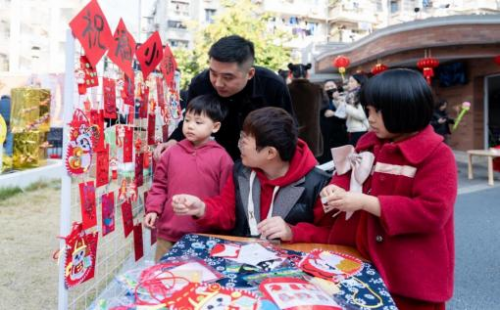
(354, 137)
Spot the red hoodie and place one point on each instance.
(220, 210)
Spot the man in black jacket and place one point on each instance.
(241, 86)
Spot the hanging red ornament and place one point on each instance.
(427, 66)
(497, 60)
(379, 68)
(341, 62)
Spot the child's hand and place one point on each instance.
(150, 220)
(188, 205)
(334, 197)
(275, 228)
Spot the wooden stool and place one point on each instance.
(485, 153)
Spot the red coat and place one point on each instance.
(412, 242)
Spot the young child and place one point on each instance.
(197, 165)
(403, 219)
(274, 190)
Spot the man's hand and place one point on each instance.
(162, 147)
(150, 220)
(184, 204)
(275, 228)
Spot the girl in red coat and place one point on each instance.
(402, 213)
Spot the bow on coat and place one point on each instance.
(345, 158)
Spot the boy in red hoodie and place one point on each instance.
(197, 165)
(273, 192)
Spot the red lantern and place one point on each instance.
(379, 68)
(427, 66)
(497, 60)
(341, 62)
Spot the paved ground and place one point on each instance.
(477, 232)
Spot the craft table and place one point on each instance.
(484, 153)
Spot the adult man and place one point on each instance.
(240, 86)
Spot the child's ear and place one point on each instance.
(216, 127)
(272, 153)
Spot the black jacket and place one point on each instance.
(265, 89)
(300, 200)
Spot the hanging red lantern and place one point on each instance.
(341, 62)
(427, 66)
(497, 60)
(379, 68)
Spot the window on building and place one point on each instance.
(209, 15)
(178, 43)
(176, 24)
(181, 8)
(394, 6)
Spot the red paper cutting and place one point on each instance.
(90, 77)
(109, 94)
(88, 205)
(83, 138)
(127, 217)
(97, 120)
(150, 54)
(138, 243)
(108, 213)
(102, 167)
(121, 51)
(91, 28)
(168, 66)
(81, 254)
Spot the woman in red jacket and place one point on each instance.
(402, 215)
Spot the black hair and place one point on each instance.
(299, 71)
(208, 105)
(403, 97)
(273, 127)
(232, 49)
(360, 78)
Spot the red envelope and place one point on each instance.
(151, 129)
(143, 110)
(164, 131)
(139, 161)
(109, 94)
(102, 167)
(160, 92)
(108, 213)
(138, 244)
(88, 205)
(97, 119)
(128, 144)
(168, 66)
(128, 90)
(150, 54)
(91, 28)
(127, 217)
(121, 51)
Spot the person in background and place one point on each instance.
(403, 215)
(241, 87)
(356, 120)
(196, 165)
(273, 192)
(5, 112)
(306, 102)
(441, 121)
(333, 128)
